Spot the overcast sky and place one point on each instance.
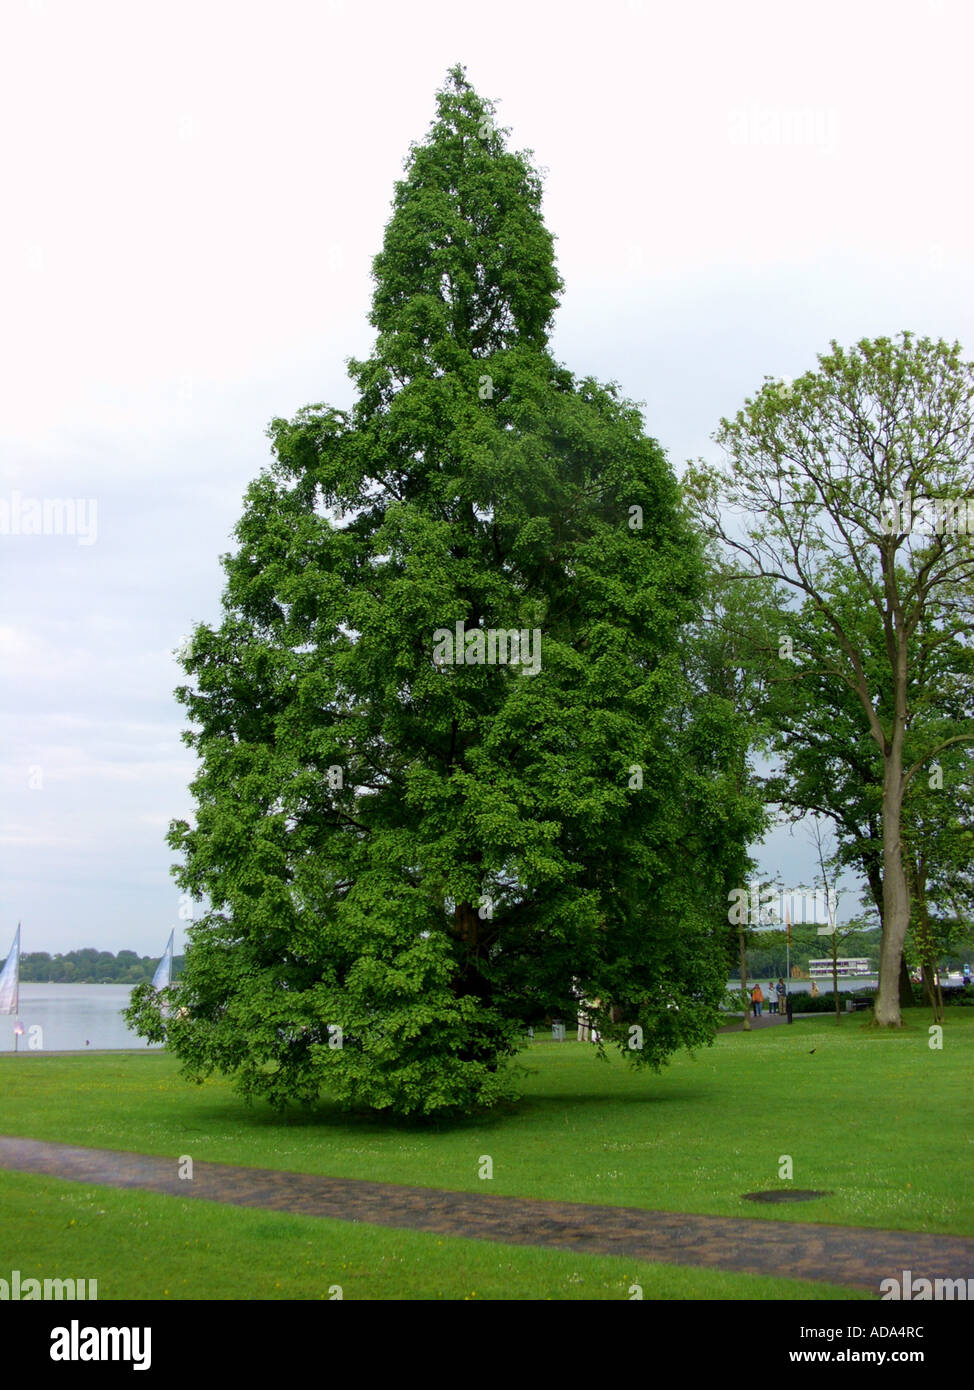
(192, 196)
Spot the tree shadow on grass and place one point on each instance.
(327, 1115)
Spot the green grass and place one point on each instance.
(146, 1246)
(877, 1118)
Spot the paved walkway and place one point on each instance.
(768, 1021)
(799, 1250)
(765, 1021)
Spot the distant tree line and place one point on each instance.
(90, 967)
(767, 955)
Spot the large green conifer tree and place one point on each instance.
(410, 851)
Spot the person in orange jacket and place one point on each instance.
(757, 999)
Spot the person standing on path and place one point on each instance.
(772, 998)
(757, 999)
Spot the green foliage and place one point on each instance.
(407, 858)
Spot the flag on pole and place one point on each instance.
(10, 978)
(163, 976)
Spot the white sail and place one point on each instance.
(10, 978)
(163, 976)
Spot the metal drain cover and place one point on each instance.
(785, 1194)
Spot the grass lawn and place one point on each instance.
(879, 1119)
(146, 1246)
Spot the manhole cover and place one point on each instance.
(785, 1194)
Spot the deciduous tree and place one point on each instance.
(451, 780)
(853, 486)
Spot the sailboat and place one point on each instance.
(162, 979)
(10, 978)
(10, 985)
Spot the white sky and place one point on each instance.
(192, 194)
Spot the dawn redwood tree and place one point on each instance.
(851, 487)
(450, 782)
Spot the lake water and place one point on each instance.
(850, 983)
(70, 1018)
(73, 1018)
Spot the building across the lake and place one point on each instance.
(845, 966)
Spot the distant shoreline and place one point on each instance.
(128, 984)
(86, 1051)
(84, 984)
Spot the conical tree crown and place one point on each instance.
(467, 264)
(447, 774)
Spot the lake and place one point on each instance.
(70, 1018)
(849, 984)
(73, 1018)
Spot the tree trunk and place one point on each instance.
(466, 928)
(906, 985)
(896, 894)
(924, 938)
(926, 980)
(747, 1002)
